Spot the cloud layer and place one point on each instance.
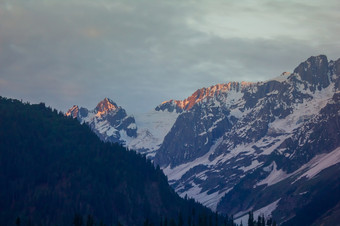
(140, 53)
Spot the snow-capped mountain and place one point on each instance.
(265, 146)
(109, 121)
(233, 141)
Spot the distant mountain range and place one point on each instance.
(272, 147)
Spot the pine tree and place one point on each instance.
(180, 219)
(263, 223)
(230, 221)
(165, 221)
(216, 219)
(210, 221)
(269, 222)
(146, 222)
(226, 219)
(259, 220)
(172, 222)
(251, 219)
(200, 221)
(90, 221)
(161, 222)
(29, 222)
(17, 222)
(78, 220)
(189, 220)
(193, 212)
(205, 220)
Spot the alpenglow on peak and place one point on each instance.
(105, 106)
(202, 94)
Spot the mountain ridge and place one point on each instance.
(201, 94)
(235, 133)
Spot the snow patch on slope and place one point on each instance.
(275, 175)
(303, 110)
(308, 170)
(209, 200)
(177, 172)
(152, 128)
(319, 163)
(253, 165)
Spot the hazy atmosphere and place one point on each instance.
(140, 53)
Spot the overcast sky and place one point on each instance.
(140, 53)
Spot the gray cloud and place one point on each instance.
(140, 53)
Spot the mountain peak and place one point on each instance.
(105, 106)
(73, 111)
(312, 62)
(315, 71)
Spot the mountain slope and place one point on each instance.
(52, 168)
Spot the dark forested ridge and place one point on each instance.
(54, 171)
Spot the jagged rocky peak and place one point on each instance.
(336, 66)
(108, 120)
(170, 106)
(335, 72)
(285, 74)
(315, 70)
(73, 111)
(106, 105)
(200, 95)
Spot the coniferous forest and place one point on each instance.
(54, 171)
